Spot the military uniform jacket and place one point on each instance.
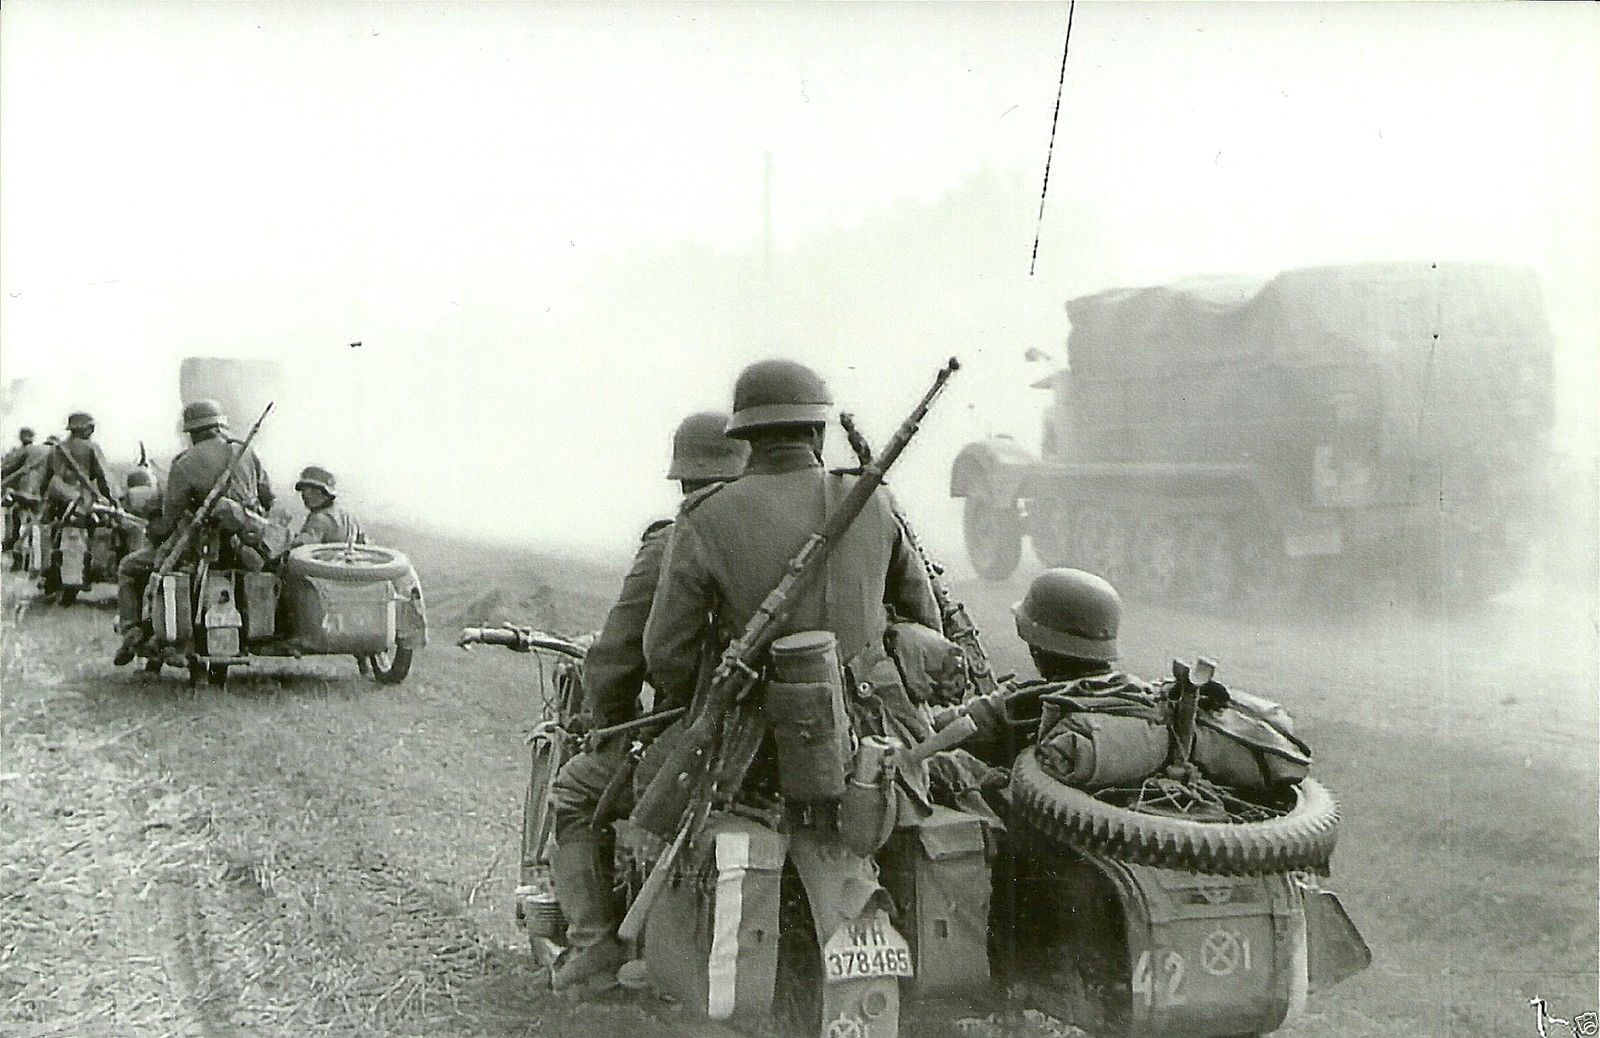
(197, 469)
(33, 462)
(329, 525)
(65, 483)
(731, 545)
(613, 669)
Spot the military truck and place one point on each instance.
(1218, 439)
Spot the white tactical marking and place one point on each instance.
(169, 604)
(733, 860)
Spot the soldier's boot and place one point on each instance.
(582, 872)
(129, 623)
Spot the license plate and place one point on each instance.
(866, 948)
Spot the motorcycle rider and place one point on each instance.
(190, 479)
(67, 494)
(140, 500)
(732, 543)
(613, 679)
(326, 522)
(23, 471)
(1069, 620)
(66, 487)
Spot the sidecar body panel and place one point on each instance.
(336, 616)
(1207, 955)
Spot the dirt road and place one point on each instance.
(307, 852)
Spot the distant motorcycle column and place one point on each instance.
(613, 678)
(193, 474)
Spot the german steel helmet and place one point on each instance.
(138, 478)
(778, 392)
(702, 450)
(203, 414)
(25, 433)
(1070, 613)
(319, 477)
(78, 420)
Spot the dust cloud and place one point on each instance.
(548, 233)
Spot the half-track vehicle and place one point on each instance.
(1219, 440)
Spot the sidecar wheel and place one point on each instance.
(391, 668)
(1301, 838)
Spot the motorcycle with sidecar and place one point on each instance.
(1167, 906)
(361, 600)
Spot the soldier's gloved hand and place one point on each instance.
(581, 724)
(639, 843)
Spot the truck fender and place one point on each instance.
(997, 467)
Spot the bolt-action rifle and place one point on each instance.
(958, 626)
(172, 552)
(688, 784)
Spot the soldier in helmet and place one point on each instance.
(67, 486)
(1069, 620)
(326, 522)
(13, 457)
(23, 471)
(193, 474)
(613, 679)
(732, 544)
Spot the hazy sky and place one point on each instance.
(481, 194)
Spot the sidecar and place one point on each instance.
(360, 600)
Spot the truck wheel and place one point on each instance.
(994, 536)
(1268, 578)
(367, 563)
(1162, 560)
(1300, 838)
(1214, 564)
(1116, 550)
(391, 668)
